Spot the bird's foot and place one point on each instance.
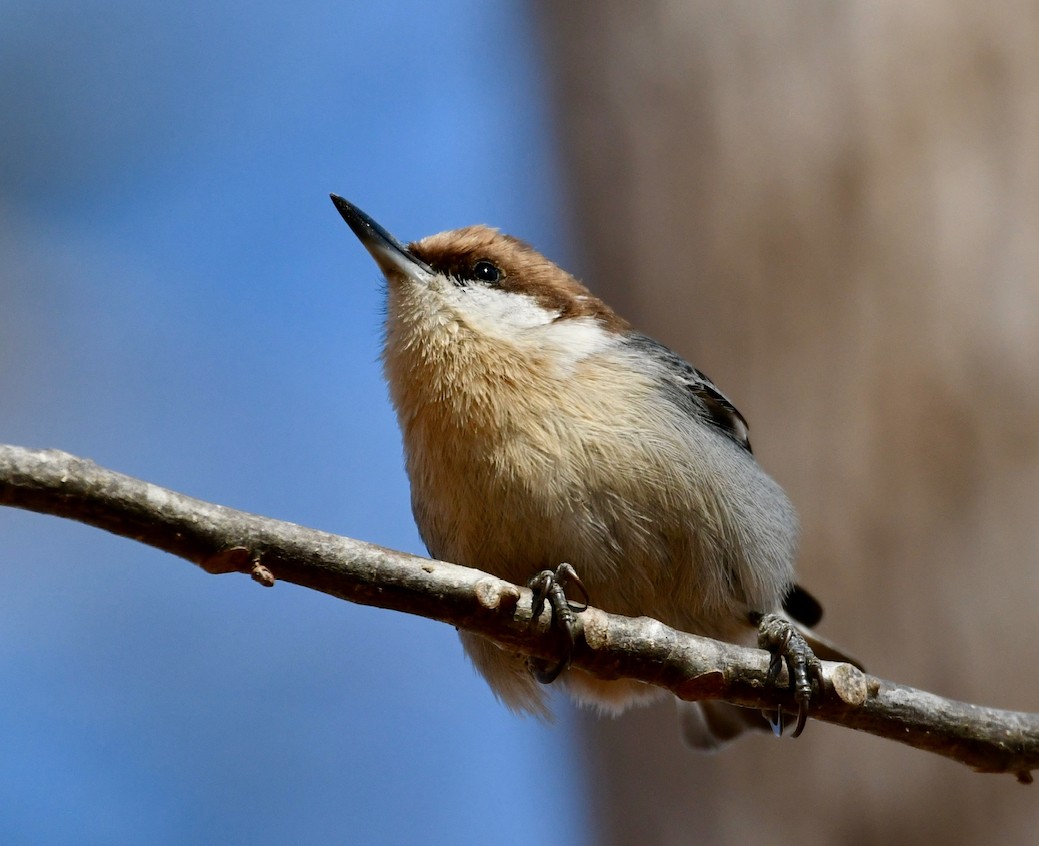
(550, 586)
(785, 643)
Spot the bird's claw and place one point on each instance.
(787, 645)
(550, 586)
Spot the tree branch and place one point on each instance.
(222, 540)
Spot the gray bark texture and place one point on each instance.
(223, 540)
(832, 209)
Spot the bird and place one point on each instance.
(549, 442)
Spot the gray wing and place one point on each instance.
(692, 389)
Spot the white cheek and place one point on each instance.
(494, 311)
(519, 322)
(571, 341)
(525, 323)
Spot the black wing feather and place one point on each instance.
(802, 606)
(693, 389)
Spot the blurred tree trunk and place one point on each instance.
(833, 209)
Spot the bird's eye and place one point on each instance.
(486, 271)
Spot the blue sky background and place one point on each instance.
(180, 301)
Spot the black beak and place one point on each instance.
(393, 258)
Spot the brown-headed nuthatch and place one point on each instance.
(540, 429)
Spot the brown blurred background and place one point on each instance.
(832, 209)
